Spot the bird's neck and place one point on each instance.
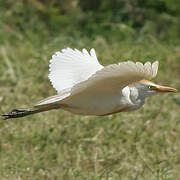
(136, 97)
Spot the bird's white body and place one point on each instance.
(103, 105)
(97, 105)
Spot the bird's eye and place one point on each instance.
(150, 87)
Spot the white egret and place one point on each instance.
(86, 87)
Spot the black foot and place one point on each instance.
(16, 113)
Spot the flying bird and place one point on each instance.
(86, 87)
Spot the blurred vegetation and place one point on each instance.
(114, 20)
(142, 145)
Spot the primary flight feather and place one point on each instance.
(86, 87)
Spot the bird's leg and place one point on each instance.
(16, 113)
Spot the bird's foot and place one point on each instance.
(15, 113)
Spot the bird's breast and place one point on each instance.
(98, 105)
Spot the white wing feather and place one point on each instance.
(113, 78)
(155, 66)
(70, 67)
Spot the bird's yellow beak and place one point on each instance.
(164, 89)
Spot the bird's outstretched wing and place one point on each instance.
(113, 78)
(70, 67)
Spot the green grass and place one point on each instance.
(143, 145)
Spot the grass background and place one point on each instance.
(59, 145)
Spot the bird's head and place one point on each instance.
(146, 88)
